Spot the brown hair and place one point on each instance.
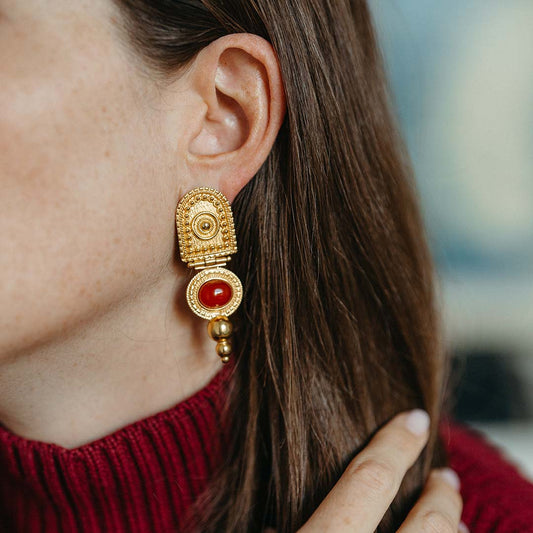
(338, 329)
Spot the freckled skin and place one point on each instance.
(89, 176)
(71, 168)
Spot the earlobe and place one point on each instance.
(238, 79)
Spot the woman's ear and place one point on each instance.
(239, 106)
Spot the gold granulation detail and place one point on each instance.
(206, 231)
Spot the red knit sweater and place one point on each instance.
(142, 477)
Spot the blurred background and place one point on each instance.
(461, 75)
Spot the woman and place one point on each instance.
(116, 414)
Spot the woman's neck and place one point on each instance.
(143, 356)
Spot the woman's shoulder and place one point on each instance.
(497, 498)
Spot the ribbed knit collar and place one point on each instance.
(140, 478)
(143, 477)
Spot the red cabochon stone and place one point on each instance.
(215, 293)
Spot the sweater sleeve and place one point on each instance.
(496, 497)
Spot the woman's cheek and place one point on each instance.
(81, 216)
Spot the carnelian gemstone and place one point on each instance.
(215, 293)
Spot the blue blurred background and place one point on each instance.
(461, 76)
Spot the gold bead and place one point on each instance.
(225, 359)
(224, 348)
(219, 328)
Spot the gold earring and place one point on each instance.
(206, 237)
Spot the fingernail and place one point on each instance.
(450, 477)
(417, 422)
(463, 528)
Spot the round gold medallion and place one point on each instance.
(204, 226)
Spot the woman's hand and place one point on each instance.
(365, 491)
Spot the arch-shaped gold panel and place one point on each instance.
(206, 231)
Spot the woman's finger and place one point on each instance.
(439, 507)
(366, 489)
